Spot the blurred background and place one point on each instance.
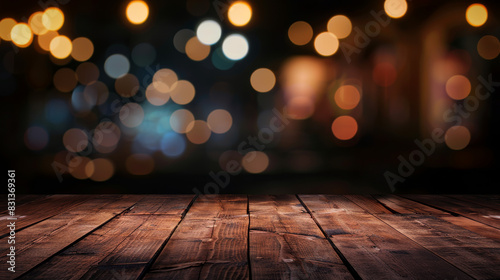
(210, 96)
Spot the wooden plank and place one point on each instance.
(209, 243)
(369, 204)
(128, 242)
(286, 243)
(39, 242)
(33, 212)
(487, 216)
(373, 248)
(485, 201)
(474, 254)
(405, 206)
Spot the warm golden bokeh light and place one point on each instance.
(488, 47)
(21, 35)
(239, 13)
(76, 167)
(164, 79)
(106, 137)
(300, 107)
(262, 80)
(139, 164)
(75, 140)
(45, 39)
(219, 121)
(199, 133)
(182, 92)
(100, 169)
(127, 85)
(182, 121)
(395, 8)
(344, 127)
(326, 44)
(476, 15)
(300, 33)
(98, 90)
(155, 97)
(255, 162)
(65, 80)
(82, 49)
(137, 12)
(6, 25)
(131, 114)
(347, 97)
(61, 47)
(340, 26)
(195, 50)
(457, 137)
(36, 25)
(458, 87)
(53, 19)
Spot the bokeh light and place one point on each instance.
(143, 54)
(395, 8)
(164, 79)
(87, 73)
(65, 80)
(458, 87)
(181, 38)
(195, 50)
(83, 101)
(137, 12)
(36, 138)
(239, 13)
(235, 47)
(100, 169)
(172, 144)
(116, 66)
(36, 25)
(155, 97)
(82, 49)
(488, 47)
(127, 85)
(457, 137)
(57, 111)
(220, 61)
(61, 47)
(106, 136)
(182, 92)
(262, 80)
(199, 132)
(76, 167)
(347, 97)
(182, 121)
(53, 18)
(97, 91)
(21, 35)
(209, 32)
(219, 121)
(344, 127)
(300, 33)
(6, 26)
(131, 114)
(45, 39)
(326, 44)
(476, 14)
(139, 164)
(75, 140)
(255, 162)
(339, 26)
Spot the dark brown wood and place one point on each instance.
(286, 243)
(485, 201)
(369, 203)
(373, 248)
(405, 206)
(209, 243)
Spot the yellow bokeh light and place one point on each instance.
(182, 121)
(137, 12)
(395, 8)
(326, 44)
(164, 79)
(21, 35)
(195, 50)
(45, 39)
(100, 169)
(182, 92)
(476, 14)
(53, 19)
(60, 47)
(82, 49)
(347, 97)
(255, 162)
(457, 137)
(36, 25)
(300, 33)
(340, 26)
(239, 13)
(344, 127)
(458, 87)
(199, 133)
(488, 47)
(155, 97)
(219, 121)
(6, 25)
(262, 80)
(76, 167)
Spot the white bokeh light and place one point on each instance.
(235, 47)
(209, 32)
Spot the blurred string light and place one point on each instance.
(347, 97)
(60, 47)
(219, 121)
(137, 12)
(96, 90)
(344, 127)
(488, 47)
(181, 38)
(182, 92)
(155, 97)
(182, 121)
(82, 49)
(300, 33)
(199, 133)
(45, 39)
(340, 26)
(76, 167)
(476, 14)
(106, 137)
(36, 24)
(116, 66)
(395, 8)
(239, 13)
(255, 162)
(127, 85)
(164, 79)
(235, 47)
(262, 80)
(36, 138)
(326, 44)
(100, 169)
(6, 26)
(458, 87)
(65, 80)
(209, 32)
(131, 114)
(457, 137)
(172, 144)
(75, 140)
(196, 50)
(21, 35)
(87, 73)
(83, 101)
(53, 19)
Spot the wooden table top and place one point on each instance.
(254, 237)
